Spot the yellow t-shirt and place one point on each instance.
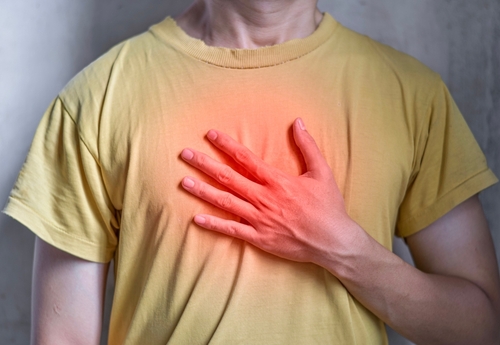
(102, 179)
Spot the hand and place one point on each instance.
(298, 218)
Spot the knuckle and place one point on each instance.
(309, 141)
(202, 161)
(202, 191)
(225, 201)
(231, 229)
(211, 223)
(242, 156)
(225, 175)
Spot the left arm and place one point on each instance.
(452, 298)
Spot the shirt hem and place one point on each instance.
(443, 205)
(55, 236)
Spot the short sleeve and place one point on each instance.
(449, 166)
(60, 194)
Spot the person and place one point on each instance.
(246, 165)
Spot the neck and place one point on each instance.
(249, 24)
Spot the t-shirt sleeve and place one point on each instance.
(60, 194)
(449, 166)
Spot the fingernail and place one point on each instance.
(212, 135)
(199, 219)
(187, 182)
(301, 124)
(187, 154)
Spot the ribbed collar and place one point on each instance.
(172, 34)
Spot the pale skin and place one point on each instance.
(67, 297)
(451, 297)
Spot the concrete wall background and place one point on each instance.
(43, 44)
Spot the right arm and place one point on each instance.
(67, 297)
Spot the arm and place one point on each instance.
(459, 245)
(454, 295)
(454, 298)
(67, 297)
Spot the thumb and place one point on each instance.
(315, 162)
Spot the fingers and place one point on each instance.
(218, 198)
(242, 155)
(221, 173)
(316, 163)
(227, 227)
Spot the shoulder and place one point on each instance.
(95, 79)
(86, 96)
(382, 64)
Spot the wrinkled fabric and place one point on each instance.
(102, 178)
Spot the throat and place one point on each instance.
(249, 24)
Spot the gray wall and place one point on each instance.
(44, 43)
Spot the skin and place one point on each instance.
(452, 297)
(249, 24)
(67, 297)
(448, 299)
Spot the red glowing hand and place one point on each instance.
(295, 217)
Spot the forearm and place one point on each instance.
(426, 308)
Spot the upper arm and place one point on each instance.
(459, 244)
(67, 297)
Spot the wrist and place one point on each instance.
(347, 246)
